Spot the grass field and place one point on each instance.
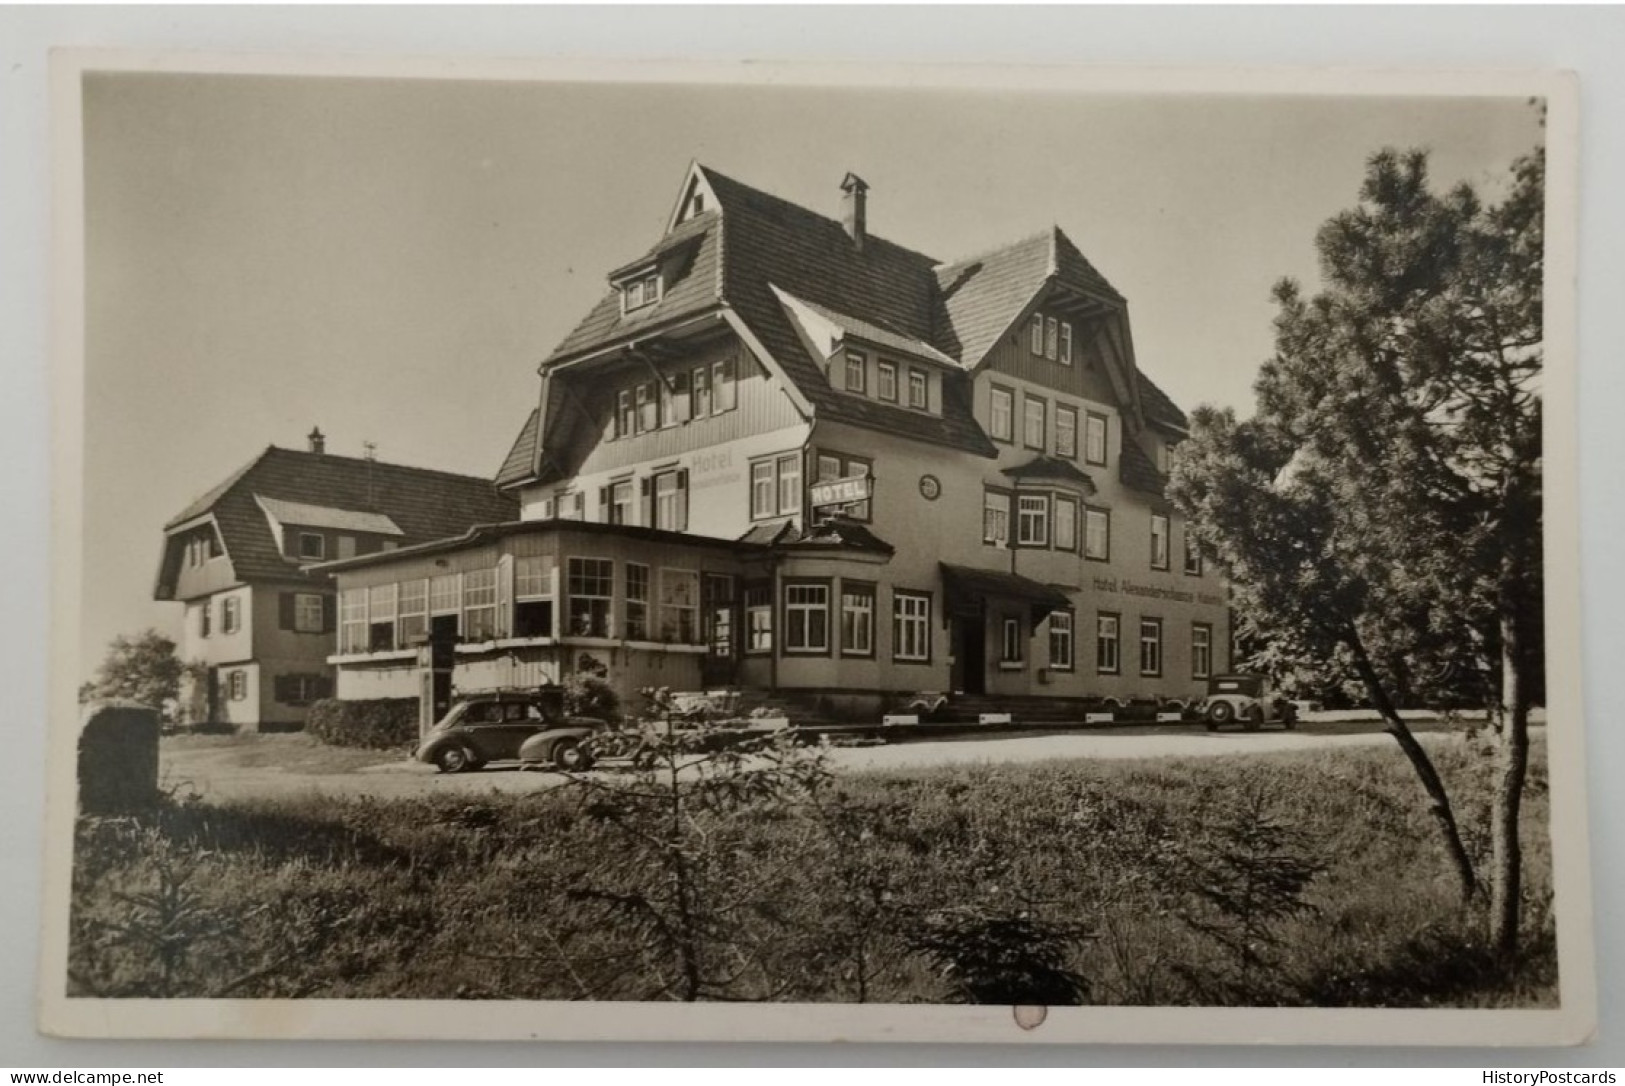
(1289, 879)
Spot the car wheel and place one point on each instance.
(569, 756)
(1221, 712)
(453, 759)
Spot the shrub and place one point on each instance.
(375, 723)
(587, 690)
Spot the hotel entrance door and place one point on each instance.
(970, 654)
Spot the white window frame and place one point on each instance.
(353, 630)
(1063, 642)
(803, 601)
(1108, 643)
(237, 684)
(758, 618)
(788, 470)
(1093, 515)
(919, 380)
(1011, 650)
(480, 604)
(1006, 432)
(1066, 431)
(1028, 402)
(1064, 523)
(857, 373)
(1066, 343)
(231, 615)
(1159, 541)
(857, 619)
(623, 502)
(1150, 647)
(1035, 334)
(1052, 337)
(626, 414)
(578, 578)
(1090, 419)
(911, 626)
(724, 386)
(699, 383)
(996, 517)
(1032, 520)
(1193, 553)
(680, 606)
(670, 502)
(886, 381)
(639, 589)
(307, 612)
(411, 610)
(764, 489)
(1201, 650)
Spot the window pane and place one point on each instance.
(789, 484)
(1001, 421)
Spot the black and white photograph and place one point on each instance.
(938, 556)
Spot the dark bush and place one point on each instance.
(376, 723)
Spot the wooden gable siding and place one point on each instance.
(591, 446)
(1085, 378)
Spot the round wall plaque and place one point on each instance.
(930, 487)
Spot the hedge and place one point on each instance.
(376, 723)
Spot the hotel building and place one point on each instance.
(784, 454)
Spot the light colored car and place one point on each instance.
(1247, 700)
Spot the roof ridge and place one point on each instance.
(802, 209)
(983, 254)
(389, 464)
(209, 498)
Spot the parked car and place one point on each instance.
(1246, 699)
(496, 727)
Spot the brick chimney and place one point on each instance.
(855, 209)
(318, 440)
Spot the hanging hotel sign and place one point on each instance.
(852, 488)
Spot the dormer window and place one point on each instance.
(640, 292)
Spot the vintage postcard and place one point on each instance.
(673, 551)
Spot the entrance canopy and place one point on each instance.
(969, 589)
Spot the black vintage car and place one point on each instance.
(492, 727)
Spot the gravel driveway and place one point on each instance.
(286, 765)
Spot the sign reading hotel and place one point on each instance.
(852, 488)
(1115, 585)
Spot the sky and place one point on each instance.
(390, 259)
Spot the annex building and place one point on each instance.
(786, 454)
(262, 626)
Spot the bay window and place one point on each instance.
(1032, 520)
(995, 517)
(637, 602)
(533, 596)
(806, 616)
(1066, 524)
(857, 618)
(680, 606)
(480, 604)
(591, 586)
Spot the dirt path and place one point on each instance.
(289, 765)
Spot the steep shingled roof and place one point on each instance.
(424, 504)
(751, 246)
(771, 242)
